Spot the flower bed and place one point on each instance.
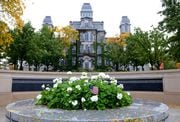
(88, 93)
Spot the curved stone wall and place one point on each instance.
(140, 110)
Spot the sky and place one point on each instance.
(142, 13)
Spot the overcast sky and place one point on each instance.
(142, 13)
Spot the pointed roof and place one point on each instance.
(86, 7)
(86, 11)
(47, 20)
(125, 20)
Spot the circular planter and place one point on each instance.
(140, 111)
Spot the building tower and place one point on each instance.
(47, 21)
(125, 25)
(86, 11)
(88, 50)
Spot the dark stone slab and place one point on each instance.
(22, 84)
(140, 111)
(153, 84)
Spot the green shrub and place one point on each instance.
(94, 93)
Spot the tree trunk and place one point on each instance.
(21, 66)
(117, 66)
(152, 66)
(36, 67)
(47, 68)
(142, 67)
(29, 67)
(15, 66)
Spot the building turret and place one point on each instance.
(86, 11)
(47, 21)
(125, 25)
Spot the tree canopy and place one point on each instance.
(10, 15)
(5, 36)
(11, 11)
(171, 24)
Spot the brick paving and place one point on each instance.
(173, 111)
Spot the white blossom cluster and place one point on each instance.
(84, 76)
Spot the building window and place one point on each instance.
(100, 37)
(73, 49)
(81, 37)
(99, 50)
(86, 65)
(73, 61)
(86, 23)
(92, 48)
(86, 36)
(81, 48)
(126, 27)
(87, 48)
(99, 60)
(92, 37)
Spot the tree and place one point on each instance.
(116, 50)
(5, 36)
(159, 47)
(147, 47)
(171, 24)
(68, 37)
(11, 11)
(10, 14)
(51, 48)
(19, 48)
(136, 56)
(35, 52)
(115, 53)
(67, 34)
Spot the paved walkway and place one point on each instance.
(173, 117)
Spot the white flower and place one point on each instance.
(94, 77)
(86, 81)
(128, 93)
(107, 77)
(119, 96)
(47, 88)
(55, 80)
(83, 99)
(112, 78)
(94, 98)
(75, 102)
(120, 86)
(59, 82)
(114, 82)
(55, 85)
(102, 75)
(72, 79)
(84, 74)
(105, 81)
(78, 87)
(84, 77)
(69, 89)
(39, 97)
(69, 72)
(43, 86)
